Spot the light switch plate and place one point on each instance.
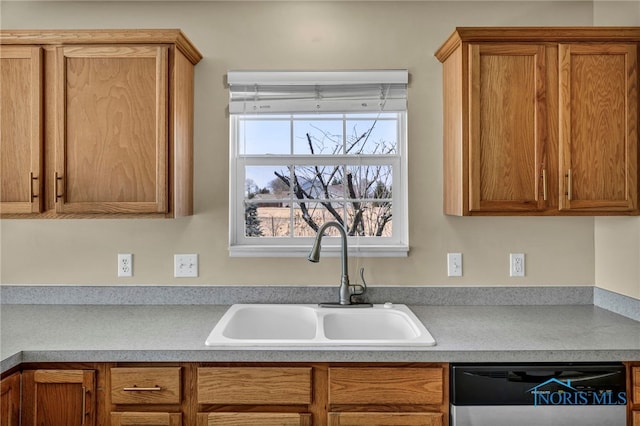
(454, 264)
(185, 265)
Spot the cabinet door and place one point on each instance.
(10, 400)
(20, 129)
(146, 419)
(385, 419)
(59, 397)
(254, 419)
(507, 128)
(112, 129)
(598, 126)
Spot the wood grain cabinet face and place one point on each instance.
(385, 419)
(254, 419)
(96, 123)
(59, 397)
(598, 126)
(10, 400)
(534, 125)
(146, 419)
(146, 385)
(112, 142)
(21, 148)
(507, 119)
(254, 385)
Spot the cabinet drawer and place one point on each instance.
(146, 419)
(385, 419)
(149, 385)
(254, 385)
(636, 418)
(254, 419)
(636, 385)
(378, 385)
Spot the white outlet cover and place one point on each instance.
(125, 265)
(185, 265)
(516, 265)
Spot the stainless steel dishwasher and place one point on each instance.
(561, 394)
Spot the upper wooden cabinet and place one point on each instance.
(117, 123)
(540, 121)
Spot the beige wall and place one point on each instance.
(617, 240)
(302, 35)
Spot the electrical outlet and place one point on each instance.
(125, 265)
(185, 265)
(454, 264)
(516, 262)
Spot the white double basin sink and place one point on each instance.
(283, 325)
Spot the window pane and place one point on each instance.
(266, 181)
(371, 181)
(319, 182)
(304, 214)
(372, 136)
(257, 137)
(321, 137)
(267, 219)
(369, 219)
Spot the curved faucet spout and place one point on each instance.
(314, 256)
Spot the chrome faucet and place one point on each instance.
(346, 291)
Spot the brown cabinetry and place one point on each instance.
(633, 393)
(146, 396)
(540, 121)
(10, 400)
(388, 395)
(260, 395)
(117, 124)
(21, 148)
(59, 397)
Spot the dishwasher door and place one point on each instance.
(538, 394)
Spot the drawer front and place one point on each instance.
(378, 385)
(254, 419)
(636, 385)
(385, 419)
(636, 418)
(254, 385)
(146, 419)
(146, 385)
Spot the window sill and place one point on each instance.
(328, 251)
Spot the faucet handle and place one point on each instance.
(359, 289)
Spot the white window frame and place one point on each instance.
(242, 246)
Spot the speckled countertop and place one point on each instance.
(147, 333)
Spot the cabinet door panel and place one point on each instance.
(598, 127)
(146, 419)
(254, 385)
(507, 127)
(59, 397)
(112, 146)
(385, 419)
(21, 129)
(254, 419)
(10, 400)
(378, 385)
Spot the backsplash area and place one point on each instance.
(227, 295)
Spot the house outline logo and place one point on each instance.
(568, 395)
(553, 380)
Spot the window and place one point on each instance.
(312, 147)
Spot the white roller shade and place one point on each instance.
(317, 91)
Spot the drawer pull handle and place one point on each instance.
(136, 389)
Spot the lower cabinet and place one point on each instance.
(147, 396)
(146, 419)
(323, 394)
(10, 400)
(59, 397)
(633, 386)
